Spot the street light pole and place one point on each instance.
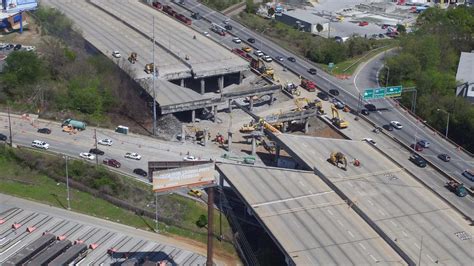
(67, 184)
(447, 122)
(154, 76)
(10, 127)
(388, 75)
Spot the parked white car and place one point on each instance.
(267, 58)
(40, 144)
(258, 53)
(86, 155)
(205, 33)
(190, 158)
(396, 124)
(237, 40)
(133, 155)
(116, 54)
(107, 142)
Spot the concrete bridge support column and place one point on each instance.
(182, 83)
(271, 99)
(230, 105)
(220, 83)
(254, 146)
(215, 113)
(205, 137)
(306, 126)
(241, 76)
(277, 152)
(183, 133)
(193, 116)
(203, 86)
(284, 128)
(229, 141)
(251, 103)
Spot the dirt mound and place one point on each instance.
(167, 127)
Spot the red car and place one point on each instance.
(157, 5)
(112, 162)
(363, 23)
(417, 147)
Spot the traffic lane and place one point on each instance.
(407, 135)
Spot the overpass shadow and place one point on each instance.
(142, 257)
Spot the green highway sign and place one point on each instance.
(382, 92)
(379, 93)
(395, 91)
(368, 94)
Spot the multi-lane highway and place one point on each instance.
(23, 133)
(349, 93)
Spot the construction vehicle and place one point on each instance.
(316, 104)
(132, 58)
(247, 128)
(338, 157)
(301, 104)
(308, 85)
(149, 68)
(69, 129)
(269, 145)
(75, 124)
(260, 66)
(457, 188)
(337, 120)
(245, 159)
(291, 89)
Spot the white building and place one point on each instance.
(465, 76)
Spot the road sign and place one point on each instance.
(395, 91)
(368, 94)
(379, 93)
(382, 92)
(331, 65)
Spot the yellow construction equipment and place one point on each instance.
(301, 103)
(246, 128)
(336, 158)
(69, 129)
(132, 58)
(337, 120)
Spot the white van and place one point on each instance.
(40, 144)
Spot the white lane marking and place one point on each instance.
(394, 224)
(350, 183)
(290, 199)
(350, 233)
(373, 257)
(429, 257)
(330, 212)
(301, 183)
(362, 245)
(340, 223)
(370, 202)
(381, 212)
(416, 245)
(405, 234)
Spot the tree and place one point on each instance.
(319, 27)
(250, 7)
(271, 11)
(401, 28)
(202, 221)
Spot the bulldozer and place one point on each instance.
(247, 128)
(132, 58)
(316, 104)
(338, 157)
(337, 120)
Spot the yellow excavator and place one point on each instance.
(337, 120)
(149, 68)
(338, 157)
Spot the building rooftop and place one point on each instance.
(306, 16)
(307, 219)
(466, 68)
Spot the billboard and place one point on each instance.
(190, 176)
(13, 6)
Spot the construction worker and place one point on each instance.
(356, 162)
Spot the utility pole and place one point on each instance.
(96, 156)
(210, 225)
(154, 76)
(67, 185)
(10, 127)
(156, 212)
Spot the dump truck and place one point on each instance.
(291, 89)
(338, 157)
(132, 58)
(76, 124)
(457, 188)
(308, 85)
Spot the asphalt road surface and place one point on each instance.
(412, 131)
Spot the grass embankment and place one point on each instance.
(220, 4)
(19, 179)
